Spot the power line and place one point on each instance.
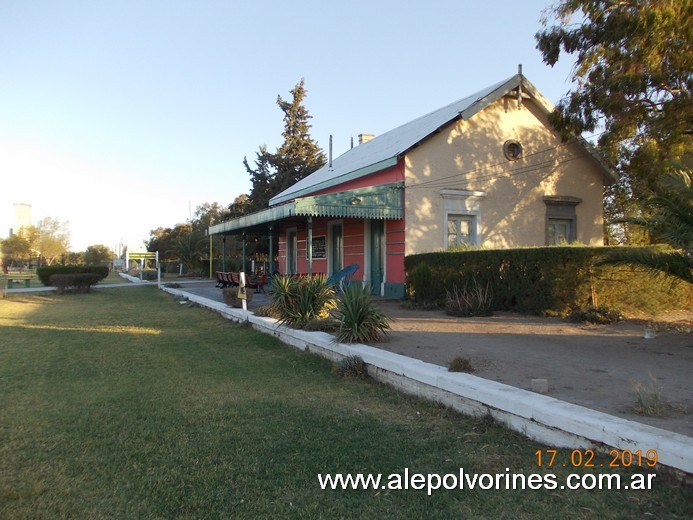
(445, 181)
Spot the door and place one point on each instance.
(291, 247)
(336, 248)
(377, 255)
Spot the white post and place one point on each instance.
(158, 271)
(241, 290)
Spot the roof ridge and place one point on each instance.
(382, 149)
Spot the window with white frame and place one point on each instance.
(460, 230)
(462, 213)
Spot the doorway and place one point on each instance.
(336, 248)
(291, 247)
(377, 256)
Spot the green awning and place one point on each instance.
(373, 202)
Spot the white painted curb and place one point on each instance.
(539, 417)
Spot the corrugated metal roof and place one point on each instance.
(383, 150)
(374, 202)
(375, 155)
(253, 219)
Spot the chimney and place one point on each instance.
(364, 138)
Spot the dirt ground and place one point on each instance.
(596, 366)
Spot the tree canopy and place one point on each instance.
(186, 243)
(633, 71)
(296, 158)
(49, 239)
(98, 254)
(15, 248)
(634, 75)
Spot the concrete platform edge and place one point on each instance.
(542, 418)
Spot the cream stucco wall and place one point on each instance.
(463, 169)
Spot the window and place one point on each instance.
(460, 230)
(461, 217)
(561, 220)
(558, 231)
(512, 150)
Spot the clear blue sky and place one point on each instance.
(120, 116)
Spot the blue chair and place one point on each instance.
(343, 278)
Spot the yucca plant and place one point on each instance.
(359, 319)
(281, 291)
(298, 300)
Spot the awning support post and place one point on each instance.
(310, 246)
(271, 252)
(243, 255)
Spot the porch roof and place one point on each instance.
(384, 202)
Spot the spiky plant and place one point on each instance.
(359, 319)
(298, 300)
(281, 290)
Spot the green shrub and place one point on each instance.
(77, 282)
(150, 275)
(420, 279)
(359, 319)
(545, 280)
(471, 300)
(300, 299)
(44, 273)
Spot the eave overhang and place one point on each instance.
(335, 181)
(384, 202)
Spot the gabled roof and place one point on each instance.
(384, 150)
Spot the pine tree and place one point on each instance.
(296, 158)
(299, 155)
(261, 179)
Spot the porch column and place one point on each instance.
(309, 246)
(243, 255)
(271, 252)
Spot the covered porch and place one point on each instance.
(323, 233)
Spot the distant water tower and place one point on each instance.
(22, 215)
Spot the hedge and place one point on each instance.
(78, 282)
(44, 273)
(545, 280)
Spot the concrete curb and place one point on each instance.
(539, 417)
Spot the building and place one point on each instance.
(22, 217)
(487, 170)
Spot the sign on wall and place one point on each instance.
(319, 247)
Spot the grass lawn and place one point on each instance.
(123, 403)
